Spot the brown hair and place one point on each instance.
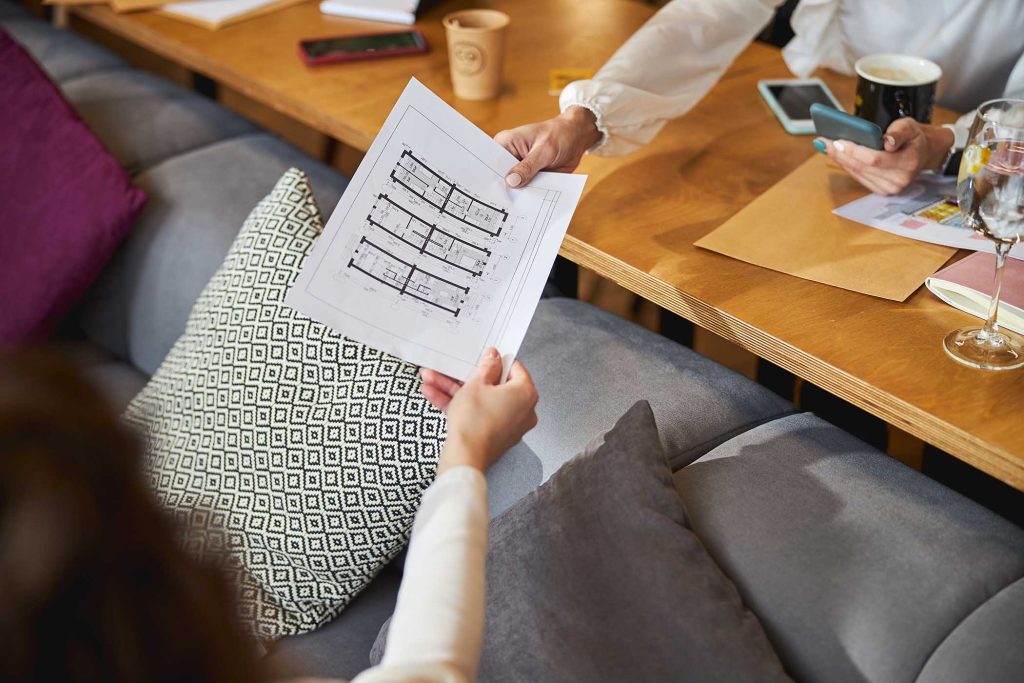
(93, 586)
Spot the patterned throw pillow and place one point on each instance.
(299, 454)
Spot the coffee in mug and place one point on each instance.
(891, 86)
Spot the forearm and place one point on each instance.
(438, 621)
(665, 68)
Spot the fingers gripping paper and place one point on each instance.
(429, 256)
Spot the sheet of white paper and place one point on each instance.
(429, 256)
(925, 211)
(394, 11)
(214, 11)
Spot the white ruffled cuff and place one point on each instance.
(580, 94)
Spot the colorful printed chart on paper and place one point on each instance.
(925, 211)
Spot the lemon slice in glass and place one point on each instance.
(975, 158)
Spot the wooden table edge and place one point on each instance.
(993, 460)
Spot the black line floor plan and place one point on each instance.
(427, 238)
(421, 180)
(404, 225)
(386, 268)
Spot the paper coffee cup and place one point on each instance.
(476, 52)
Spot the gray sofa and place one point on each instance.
(859, 568)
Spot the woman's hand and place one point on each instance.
(910, 148)
(485, 418)
(557, 144)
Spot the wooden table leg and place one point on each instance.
(60, 16)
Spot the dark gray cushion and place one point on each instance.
(987, 646)
(62, 54)
(340, 649)
(595, 577)
(197, 203)
(858, 566)
(590, 366)
(143, 119)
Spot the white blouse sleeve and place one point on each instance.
(665, 68)
(818, 39)
(1015, 83)
(437, 627)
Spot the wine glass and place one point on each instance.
(990, 189)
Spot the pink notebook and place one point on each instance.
(967, 285)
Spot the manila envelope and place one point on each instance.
(791, 229)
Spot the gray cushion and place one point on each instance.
(340, 649)
(595, 577)
(119, 381)
(143, 119)
(987, 646)
(62, 54)
(197, 202)
(590, 366)
(9, 10)
(518, 473)
(858, 566)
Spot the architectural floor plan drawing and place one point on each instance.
(429, 255)
(421, 180)
(393, 218)
(384, 267)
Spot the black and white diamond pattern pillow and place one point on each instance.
(299, 453)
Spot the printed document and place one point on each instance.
(926, 211)
(429, 255)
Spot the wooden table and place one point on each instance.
(641, 213)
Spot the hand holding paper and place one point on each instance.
(429, 256)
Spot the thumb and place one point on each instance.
(899, 133)
(518, 374)
(488, 370)
(537, 159)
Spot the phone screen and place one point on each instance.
(796, 100)
(383, 41)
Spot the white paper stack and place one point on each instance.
(392, 11)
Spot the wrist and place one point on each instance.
(459, 451)
(584, 123)
(940, 142)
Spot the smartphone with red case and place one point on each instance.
(371, 46)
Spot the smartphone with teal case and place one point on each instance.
(834, 124)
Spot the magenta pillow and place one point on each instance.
(65, 203)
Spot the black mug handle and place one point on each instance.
(902, 105)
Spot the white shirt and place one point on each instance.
(668, 65)
(437, 626)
